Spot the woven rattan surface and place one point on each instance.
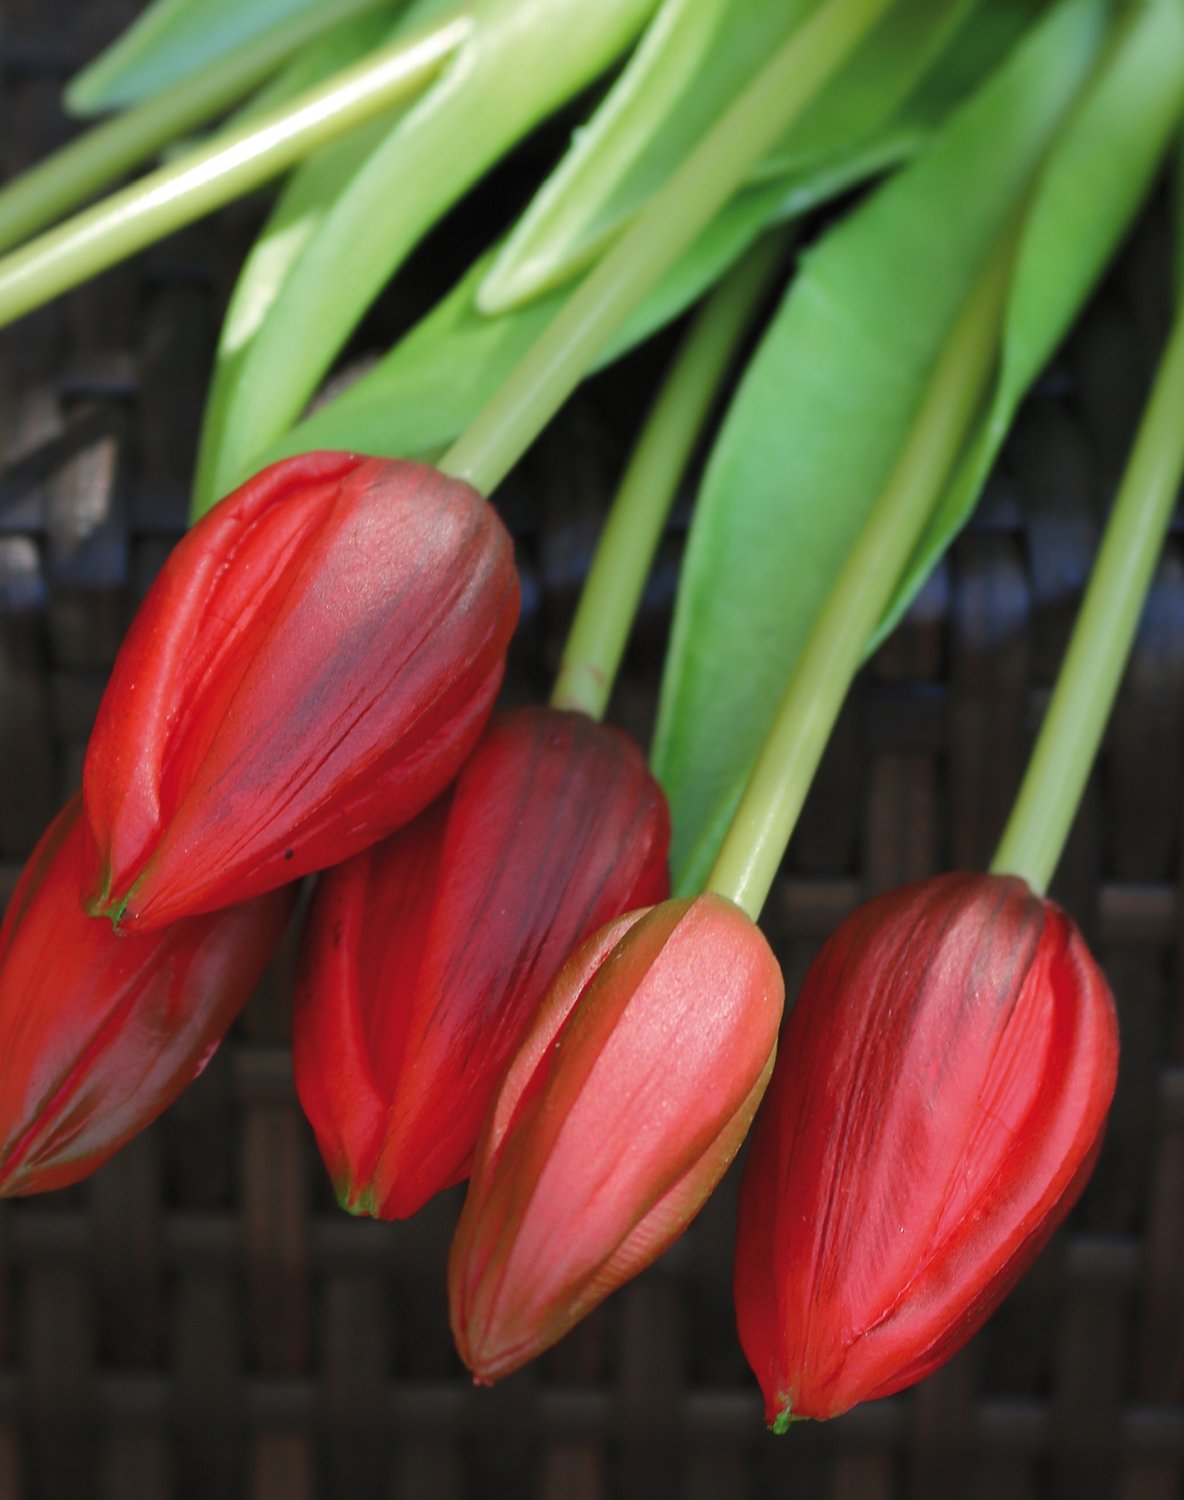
(199, 1321)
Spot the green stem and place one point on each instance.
(98, 158)
(1088, 681)
(755, 842)
(212, 175)
(616, 579)
(707, 178)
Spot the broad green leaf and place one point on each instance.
(893, 95)
(691, 62)
(467, 120)
(302, 206)
(693, 58)
(436, 379)
(876, 83)
(298, 214)
(1089, 193)
(823, 411)
(424, 393)
(172, 40)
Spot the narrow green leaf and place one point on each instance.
(821, 415)
(1089, 193)
(436, 151)
(169, 41)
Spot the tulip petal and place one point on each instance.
(100, 1032)
(553, 827)
(621, 1111)
(312, 667)
(944, 1082)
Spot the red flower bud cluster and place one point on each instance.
(487, 986)
(311, 668)
(426, 957)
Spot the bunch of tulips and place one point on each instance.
(495, 982)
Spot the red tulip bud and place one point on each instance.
(313, 664)
(620, 1112)
(940, 1100)
(100, 1032)
(425, 957)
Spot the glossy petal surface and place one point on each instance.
(100, 1032)
(425, 957)
(619, 1113)
(941, 1094)
(313, 664)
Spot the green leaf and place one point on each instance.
(440, 146)
(428, 389)
(822, 413)
(432, 384)
(169, 41)
(693, 59)
(1179, 221)
(1089, 193)
(314, 64)
(301, 208)
(876, 83)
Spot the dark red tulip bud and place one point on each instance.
(620, 1112)
(426, 956)
(313, 664)
(100, 1032)
(940, 1100)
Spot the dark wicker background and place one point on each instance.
(199, 1320)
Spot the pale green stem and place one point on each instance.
(229, 166)
(1088, 680)
(95, 160)
(707, 178)
(625, 553)
(777, 787)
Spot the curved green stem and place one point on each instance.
(87, 165)
(1088, 680)
(594, 648)
(233, 164)
(756, 839)
(707, 178)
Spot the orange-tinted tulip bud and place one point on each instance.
(620, 1112)
(940, 1099)
(100, 1032)
(426, 956)
(313, 664)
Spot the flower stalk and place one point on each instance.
(707, 178)
(776, 790)
(87, 165)
(1088, 680)
(226, 168)
(625, 552)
